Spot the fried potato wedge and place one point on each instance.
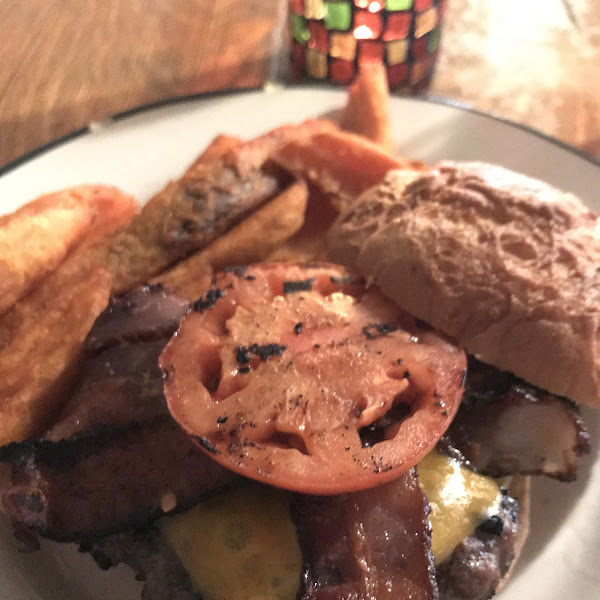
(42, 335)
(226, 184)
(252, 240)
(367, 111)
(36, 366)
(35, 239)
(257, 236)
(308, 244)
(113, 211)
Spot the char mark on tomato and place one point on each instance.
(346, 280)
(292, 287)
(306, 391)
(240, 271)
(207, 300)
(264, 352)
(375, 330)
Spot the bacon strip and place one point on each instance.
(373, 544)
(114, 457)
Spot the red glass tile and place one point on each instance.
(398, 26)
(319, 37)
(298, 61)
(422, 4)
(367, 26)
(397, 75)
(419, 48)
(297, 6)
(341, 71)
(369, 51)
(370, 5)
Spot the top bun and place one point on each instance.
(505, 264)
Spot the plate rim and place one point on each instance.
(453, 103)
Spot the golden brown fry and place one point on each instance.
(113, 210)
(258, 235)
(37, 365)
(252, 240)
(41, 336)
(367, 111)
(35, 239)
(225, 185)
(308, 244)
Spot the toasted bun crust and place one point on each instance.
(505, 264)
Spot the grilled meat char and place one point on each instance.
(147, 552)
(506, 426)
(479, 563)
(114, 457)
(97, 484)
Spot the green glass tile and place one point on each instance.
(300, 29)
(338, 15)
(434, 40)
(398, 4)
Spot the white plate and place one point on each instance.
(140, 152)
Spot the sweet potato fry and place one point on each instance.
(255, 152)
(36, 366)
(338, 163)
(252, 240)
(367, 111)
(216, 149)
(35, 239)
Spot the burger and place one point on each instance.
(355, 429)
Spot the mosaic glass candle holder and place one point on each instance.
(330, 39)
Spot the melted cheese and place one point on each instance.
(460, 500)
(242, 544)
(239, 545)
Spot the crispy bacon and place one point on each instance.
(367, 545)
(114, 457)
(147, 313)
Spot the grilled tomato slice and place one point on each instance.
(300, 377)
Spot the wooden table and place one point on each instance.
(68, 62)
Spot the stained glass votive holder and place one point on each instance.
(330, 39)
